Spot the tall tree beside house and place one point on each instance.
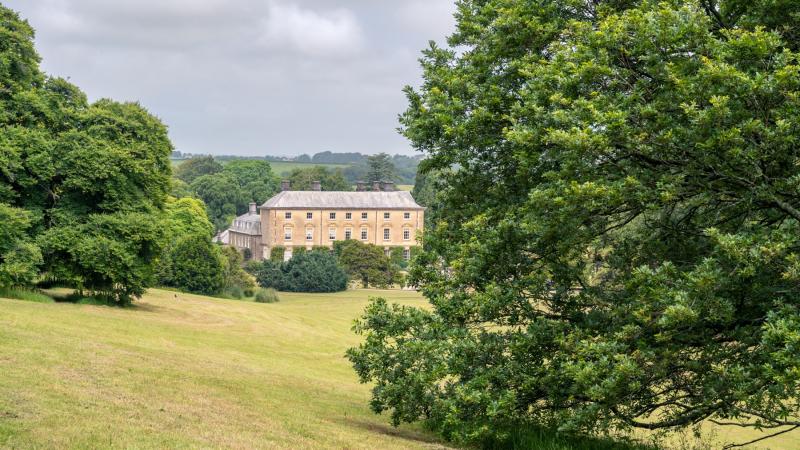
(428, 187)
(380, 168)
(194, 168)
(256, 180)
(366, 263)
(620, 246)
(222, 195)
(91, 179)
(330, 179)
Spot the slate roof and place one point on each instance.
(342, 200)
(247, 223)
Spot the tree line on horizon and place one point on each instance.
(357, 165)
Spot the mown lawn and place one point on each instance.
(184, 371)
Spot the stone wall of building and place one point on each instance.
(323, 224)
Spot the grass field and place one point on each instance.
(189, 372)
(185, 371)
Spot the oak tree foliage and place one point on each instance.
(84, 183)
(618, 243)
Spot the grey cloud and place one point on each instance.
(248, 76)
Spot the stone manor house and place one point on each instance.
(381, 215)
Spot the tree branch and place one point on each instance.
(761, 438)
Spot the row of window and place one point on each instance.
(241, 224)
(348, 234)
(348, 215)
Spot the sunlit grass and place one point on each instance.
(185, 371)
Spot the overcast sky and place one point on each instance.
(248, 77)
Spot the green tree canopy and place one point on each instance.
(193, 168)
(330, 179)
(19, 258)
(256, 179)
(619, 239)
(91, 178)
(306, 271)
(197, 265)
(367, 263)
(380, 168)
(223, 197)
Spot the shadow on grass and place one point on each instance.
(388, 430)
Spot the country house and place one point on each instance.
(377, 215)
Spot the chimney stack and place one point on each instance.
(252, 207)
(361, 186)
(286, 185)
(316, 186)
(388, 186)
(376, 186)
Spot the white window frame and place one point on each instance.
(364, 216)
(407, 254)
(287, 215)
(348, 216)
(364, 234)
(348, 233)
(332, 216)
(407, 215)
(309, 233)
(309, 215)
(332, 233)
(387, 216)
(287, 233)
(387, 234)
(406, 234)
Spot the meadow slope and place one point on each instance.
(187, 371)
(184, 371)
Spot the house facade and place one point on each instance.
(245, 233)
(316, 218)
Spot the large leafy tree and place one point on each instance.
(380, 168)
(256, 179)
(330, 179)
(367, 263)
(619, 240)
(196, 167)
(91, 178)
(223, 197)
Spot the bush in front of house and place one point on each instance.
(367, 263)
(197, 266)
(314, 271)
(267, 296)
(268, 274)
(307, 271)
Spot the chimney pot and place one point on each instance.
(252, 207)
(376, 186)
(286, 185)
(361, 186)
(388, 186)
(316, 186)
